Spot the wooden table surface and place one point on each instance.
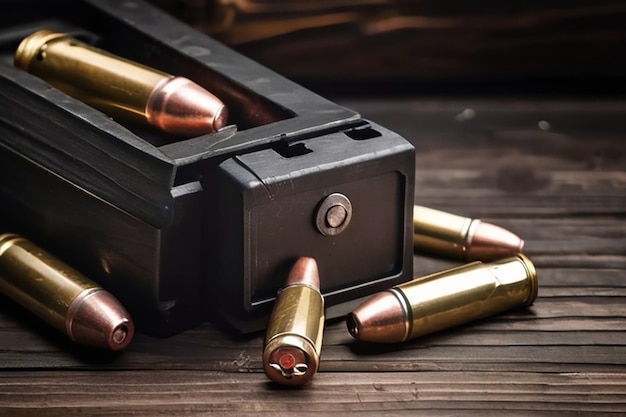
(553, 171)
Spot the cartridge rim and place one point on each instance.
(30, 47)
(291, 341)
(531, 271)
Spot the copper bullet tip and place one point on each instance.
(96, 318)
(304, 272)
(382, 318)
(180, 106)
(487, 242)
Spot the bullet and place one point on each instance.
(119, 87)
(445, 299)
(61, 296)
(291, 352)
(449, 235)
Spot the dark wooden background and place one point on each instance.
(551, 170)
(430, 42)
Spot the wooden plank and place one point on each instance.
(557, 342)
(564, 355)
(120, 392)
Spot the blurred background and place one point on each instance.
(428, 47)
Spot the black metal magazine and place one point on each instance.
(183, 229)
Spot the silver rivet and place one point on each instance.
(333, 214)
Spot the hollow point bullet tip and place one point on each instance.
(97, 319)
(380, 319)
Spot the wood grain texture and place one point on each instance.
(562, 189)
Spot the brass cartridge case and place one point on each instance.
(450, 235)
(120, 87)
(61, 296)
(293, 342)
(445, 299)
